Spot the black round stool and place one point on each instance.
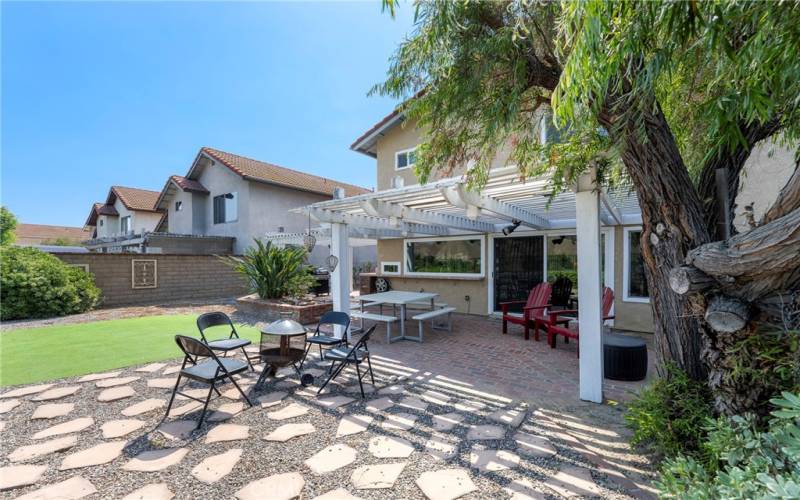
(624, 358)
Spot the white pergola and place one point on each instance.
(447, 207)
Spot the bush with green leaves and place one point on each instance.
(273, 272)
(36, 284)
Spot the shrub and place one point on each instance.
(272, 272)
(8, 223)
(36, 284)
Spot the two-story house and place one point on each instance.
(127, 211)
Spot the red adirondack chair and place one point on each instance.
(533, 312)
(554, 324)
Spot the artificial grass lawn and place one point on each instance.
(52, 352)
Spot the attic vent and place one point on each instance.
(281, 229)
(397, 182)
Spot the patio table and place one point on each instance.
(400, 298)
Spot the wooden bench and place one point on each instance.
(382, 318)
(432, 315)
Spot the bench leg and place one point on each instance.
(421, 328)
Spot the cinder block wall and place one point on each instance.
(180, 278)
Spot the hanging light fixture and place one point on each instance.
(309, 240)
(332, 261)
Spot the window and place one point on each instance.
(405, 159)
(125, 224)
(457, 256)
(101, 222)
(226, 208)
(178, 206)
(634, 279)
(390, 268)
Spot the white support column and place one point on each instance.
(587, 206)
(340, 277)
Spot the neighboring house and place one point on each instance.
(46, 235)
(127, 212)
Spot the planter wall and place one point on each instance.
(270, 310)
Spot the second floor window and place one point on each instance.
(125, 224)
(178, 206)
(226, 208)
(405, 159)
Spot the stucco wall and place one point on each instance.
(180, 222)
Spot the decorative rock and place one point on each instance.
(289, 431)
(118, 428)
(156, 460)
(116, 394)
(522, 489)
(151, 368)
(436, 397)
(446, 484)
(508, 417)
(15, 476)
(413, 403)
(378, 476)
(485, 432)
(71, 489)
(534, 446)
(377, 405)
(26, 391)
(71, 426)
(337, 494)
(57, 393)
(226, 412)
(447, 421)
(399, 422)
(440, 449)
(353, 424)
(227, 432)
(37, 450)
(144, 407)
(162, 383)
(573, 481)
(392, 390)
(390, 447)
(215, 467)
(287, 486)
(52, 410)
(334, 402)
(7, 406)
(271, 399)
(331, 458)
(155, 491)
(184, 409)
(469, 406)
(114, 382)
(96, 455)
(98, 376)
(291, 411)
(178, 429)
(493, 460)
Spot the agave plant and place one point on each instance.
(273, 272)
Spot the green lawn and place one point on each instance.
(52, 352)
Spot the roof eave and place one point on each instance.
(367, 142)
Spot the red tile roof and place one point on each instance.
(38, 234)
(99, 209)
(188, 184)
(134, 198)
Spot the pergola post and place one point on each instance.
(340, 277)
(587, 224)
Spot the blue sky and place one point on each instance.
(96, 94)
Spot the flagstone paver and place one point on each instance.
(334, 402)
(7, 406)
(154, 491)
(118, 428)
(71, 489)
(200, 393)
(413, 403)
(177, 429)
(289, 431)
(399, 422)
(171, 369)
(447, 421)
(15, 476)
(486, 432)
(57, 393)
(2, 426)
(337, 494)
(116, 393)
(215, 467)
(381, 404)
(355, 389)
(189, 407)
(522, 489)
(469, 406)
(287, 384)
(331, 458)
(114, 382)
(33, 451)
(162, 383)
(271, 398)
(52, 410)
(227, 432)
(390, 447)
(392, 390)
(233, 393)
(102, 453)
(436, 397)
(68, 427)
(151, 368)
(291, 411)
(144, 407)
(492, 460)
(440, 449)
(376, 476)
(226, 412)
(534, 446)
(508, 417)
(353, 424)
(25, 391)
(156, 460)
(92, 377)
(446, 484)
(286, 486)
(573, 481)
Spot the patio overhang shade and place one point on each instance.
(447, 207)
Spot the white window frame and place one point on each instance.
(480, 275)
(384, 272)
(121, 221)
(397, 157)
(626, 265)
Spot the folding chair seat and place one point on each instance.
(321, 339)
(232, 343)
(352, 356)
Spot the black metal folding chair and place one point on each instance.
(233, 341)
(321, 339)
(211, 371)
(355, 356)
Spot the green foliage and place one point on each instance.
(8, 223)
(670, 414)
(273, 272)
(36, 284)
(60, 242)
(742, 462)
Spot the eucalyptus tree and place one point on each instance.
(669, 97)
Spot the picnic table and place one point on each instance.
(402, 299)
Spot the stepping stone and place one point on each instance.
(155, 460)
(144, 407)
(469, 406)
(98, 376)
(184, 409)
(287, 384)
(337, 494)
(57, 393)
(15, 476)
(233, 393)
(201, 393)
(522, 489)
(573, 481)
(52, 410)
(171, 370)
(355, 389)
(446, 484)
(534, 446)
(392, 390)
(485, 432)
(436, 397)
(311, 393)
(291, 411)
(390, 447)
(227, 432)
(378, 476)
(32, 451)
(289, 431)
(215, 467)
(178, 429)
(399, 422)
(71, 489)
(353, 424)
(151, 368)
(381, 404)
(69, 427)
(226, 412)
(287, 486)
(508, 417)
(26, 391)
(2, 426)
(271, 398)
(413, 403)
(334, 402)
(118, 428)
(162, 383)
(116, 394)
(155, 491)
(493, 460)
(316, 372)
(96, 455)
(331, 458)
(7, 406)
(440, 449)
(114, 382)
(447, 421)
